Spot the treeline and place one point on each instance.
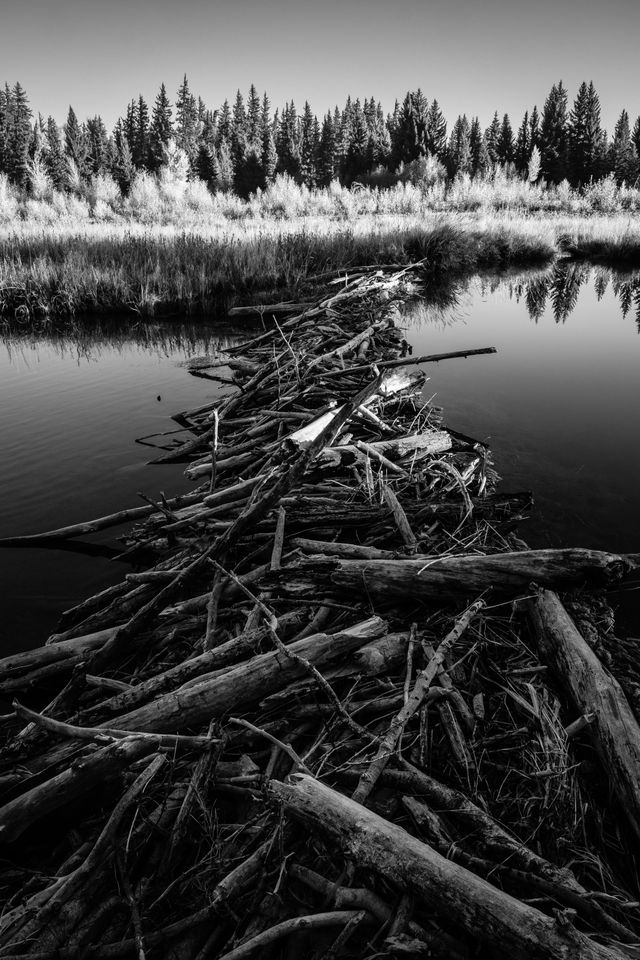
(243, 147)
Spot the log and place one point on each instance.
(100, 523)
(407, 361)
(447, 577)
(462, 899)
(247, 683)
(84, 775)
(594, 691)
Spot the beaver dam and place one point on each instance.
(339, 709)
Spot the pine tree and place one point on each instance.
(123, 169)
(254, 127)
(97, 145)
(161, 130)
(187, 123)
(552, 141)
(75, 142)
(54, 155)
(308, 147)
(224, 124)
(505, 143)
(19, 136)
(459, 152)
(493, 138)
(484, 164)
(5, 112)
(355, 163)
(327, 163)
(624, 159)
(475, 145)
(269, 158)
(206, 164)
(534, 128)
(436, 138)
(140, 146)
(585, 136)
(130, 125)
(289, 142)
(523, 146)
(635, 136)
(410, 136)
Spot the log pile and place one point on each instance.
(338, 709)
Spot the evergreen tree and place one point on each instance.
(475, 145)
(140, 145)
(269, 158)
(534, 128)
(53, 155)
(161, 130)
(635, 136)
(410, 138)
(523, 145)
(75, 142)
(5, 111)
(585, 136)
(187, 123)
(505, 143)
(289, 142)
(624, 159)
(206, 164)
(493, 138)
(130, 125)
(459, 152)
(355, 163)
(436, 137)
(327, 162)
(254, 128)
(553, 135)
(224, 124)
(19, 136)
(123, 169)
(308, 147)
(97, 145)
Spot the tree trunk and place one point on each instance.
(455, 893)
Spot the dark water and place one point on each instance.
(560, 401)
(559, 404)
(70, 412)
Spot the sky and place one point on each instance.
(474, 56)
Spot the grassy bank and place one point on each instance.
(72, 268)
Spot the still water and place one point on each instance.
(70, 412)
(559, 404)
(560, 401)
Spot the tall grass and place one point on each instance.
(172, 247)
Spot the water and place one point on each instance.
(560, 401)
(559, 404)
(70, 412)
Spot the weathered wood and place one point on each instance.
(451, 891)
(408, 361)
(594, 691)
(246, 683)
(446, 577)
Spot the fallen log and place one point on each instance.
(408, 361)
(460, 898)
(594, 691)
(264, 674)
(430, 580)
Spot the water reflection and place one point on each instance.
(560, 288)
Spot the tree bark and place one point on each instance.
(593, 690)
(465, 900)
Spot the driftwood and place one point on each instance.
(456, 894)
(612, 725)
(430, 580)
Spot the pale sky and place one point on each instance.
(474, 56)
